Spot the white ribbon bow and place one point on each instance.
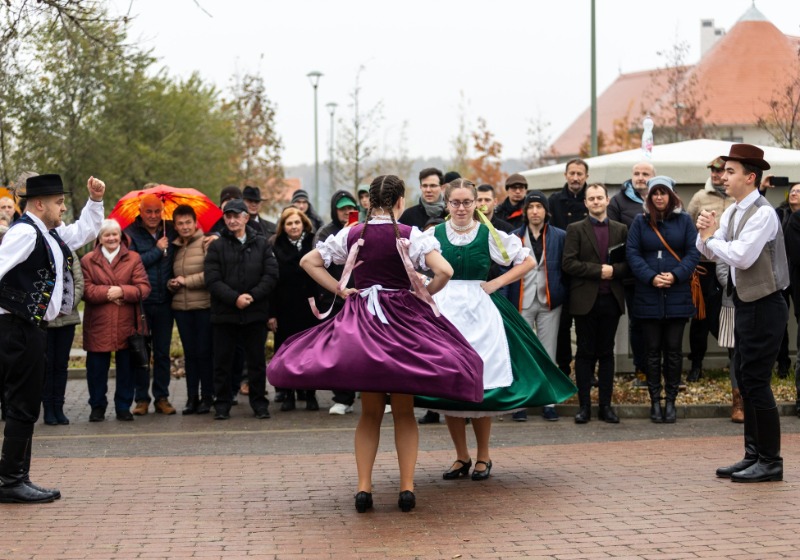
(374, 302)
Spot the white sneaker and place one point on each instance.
(340, 409)
(387, 409)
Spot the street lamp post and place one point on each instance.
(332, 164)
(314, 77)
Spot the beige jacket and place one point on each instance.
(188, 263)
(708, 198)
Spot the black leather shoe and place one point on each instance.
(748, 461)
(429, 418)
(607, 414)
(407, 500)
(584, 414)
(21, 493)
(54, 492)
(222, 414)
(288, 403)
(463, 470)
(191, 406)
(205, 405)
(761, 471)
(694, 374)
(670, 414)
(262, 413)
(49, 415)
(484, 474)
(124, 416)
(98, 414)
(363, 501)
(61, 418)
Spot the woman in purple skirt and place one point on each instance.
(386, 339)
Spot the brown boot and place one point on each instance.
(141, 408)
(737, 408)
(163, 406)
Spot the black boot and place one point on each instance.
(670, 414)
(288, 402)
(205, 405)
(750, 444)
(653, 377)
(311, 400)
(26, 477)
(13, 489)
(769, 466)
(49, 415)
(672, 381)
(696, 373)
(192, 405)
(58, 410)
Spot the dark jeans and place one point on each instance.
(194, 328)
(783, 351)
(758, 329)
(564, 341)
(636, 338)
(595, 334)
(59, 343)
(97, 364)
(159, 320)
(699, 329)
(253, 338)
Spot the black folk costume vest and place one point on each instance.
(26, 289)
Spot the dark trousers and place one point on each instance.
(97, 365)
(664, 339)
(194, 328)
(783, 351)
(23, 350)
(595, 334)
(636, 339)
(159, 320)
(699, 329)
(564, 341)
(758, 329)
(346, 398)
(253, 338)
(59, 343)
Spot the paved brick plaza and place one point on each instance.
(183, 487)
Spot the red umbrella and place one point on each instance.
(208, 213)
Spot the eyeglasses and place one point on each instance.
(467, 204)
(794, 191)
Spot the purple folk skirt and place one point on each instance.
(412, 352)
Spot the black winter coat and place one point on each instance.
(290, 297)
(233, 268)
(567, 208)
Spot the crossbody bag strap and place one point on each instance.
(664, 241)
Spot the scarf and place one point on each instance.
(298, 243)
(435, 209)
(109, 255)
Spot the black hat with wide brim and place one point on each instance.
(43, 185)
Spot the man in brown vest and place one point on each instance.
(749, 239)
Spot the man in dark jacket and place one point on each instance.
(623, 208)
(151, 236)
(240, 273)
(301, 201)
(510, 210)
(567, 206)
(539, 295)
(431, 203)
(342, 203)
(596, 299)
(486, 202)
(252, 199)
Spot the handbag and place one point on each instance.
(698, 300)
(139, 342)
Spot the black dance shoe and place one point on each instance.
(407, 500)
(484, 474)
(363, 501)
(463, 470)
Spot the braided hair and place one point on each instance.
(384, 192)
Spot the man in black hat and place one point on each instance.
(252, 199)
(240, 273)
(748, 238)
(36, 285)
(510, 210)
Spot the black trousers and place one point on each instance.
(699, 329)
(252, 337)
(564, 341)
(595, 334)
(636, 337)
(23, 351)
(758, 330)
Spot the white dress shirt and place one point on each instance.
(20, 240)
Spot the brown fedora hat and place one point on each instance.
(747, 153)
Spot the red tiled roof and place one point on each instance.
(738, 76)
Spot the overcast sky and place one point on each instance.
(513, 61)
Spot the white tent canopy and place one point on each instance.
(683, 161)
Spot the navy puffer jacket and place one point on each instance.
(647, 257)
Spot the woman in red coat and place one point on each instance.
(115, 284)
